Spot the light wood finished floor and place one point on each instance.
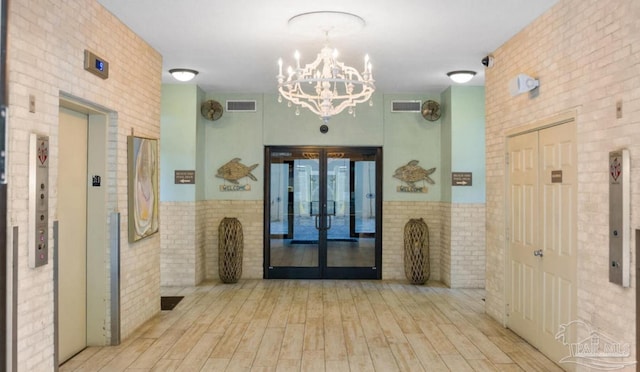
(325, 325)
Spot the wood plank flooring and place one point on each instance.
(324, 325)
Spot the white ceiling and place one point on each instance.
(235, 44)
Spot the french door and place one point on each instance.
(323, 213)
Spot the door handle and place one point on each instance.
(317, 226)
(538, 253)
(328, 222)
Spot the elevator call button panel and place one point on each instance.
(619, 217)
(38, 200)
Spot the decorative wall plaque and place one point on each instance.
(411, 173)
(233, 171)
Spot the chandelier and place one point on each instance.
(326, 86)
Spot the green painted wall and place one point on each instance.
(468, 142)
(201, 147)
(445, 152)
(408, 136)
(178, 126)
(234, 135)
(283, 127)
(191, 142)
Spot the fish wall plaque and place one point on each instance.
(233, 171)
(411, 173)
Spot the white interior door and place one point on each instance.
(558, 194)
(72, 237)
(541, 288)
(524, 291)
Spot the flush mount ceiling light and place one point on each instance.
(461, 76)
(183, 74)
(325, 86)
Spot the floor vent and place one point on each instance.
(405, 106)
(169, 302)
(241, 106)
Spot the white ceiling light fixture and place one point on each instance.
(461, 76)
(183, 74)
(326, 86)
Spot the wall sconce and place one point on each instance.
(461, 76)
(183, 74)
(522, 84)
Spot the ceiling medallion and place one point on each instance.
(326, 86)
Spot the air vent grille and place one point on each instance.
(241, 106)
(405, 106)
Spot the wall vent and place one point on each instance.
(406, 106)
(241, 106)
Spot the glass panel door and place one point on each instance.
(322, 213)
(293, 224)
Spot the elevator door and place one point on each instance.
(323, 213)
(72, 217)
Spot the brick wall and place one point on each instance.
(445, 249)
(181, 243)
(586, 55)
(250, 215)
(467, 259)
(201, 242)
(395, 215)
(46, 44)
(463, 245)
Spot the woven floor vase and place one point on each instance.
(416, 251)
(230, 244)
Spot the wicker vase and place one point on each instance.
(230, 243)
(416, 251)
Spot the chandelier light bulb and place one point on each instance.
(296, 55)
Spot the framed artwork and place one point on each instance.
(142, 158)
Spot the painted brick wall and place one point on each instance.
(250, 214)
(395, 216)
(467, 246)
(445, 249)
(182, 241)
(463, 245)
(47, 40)
(586, 55)
(201, 242)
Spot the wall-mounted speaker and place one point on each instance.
(522, 84)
